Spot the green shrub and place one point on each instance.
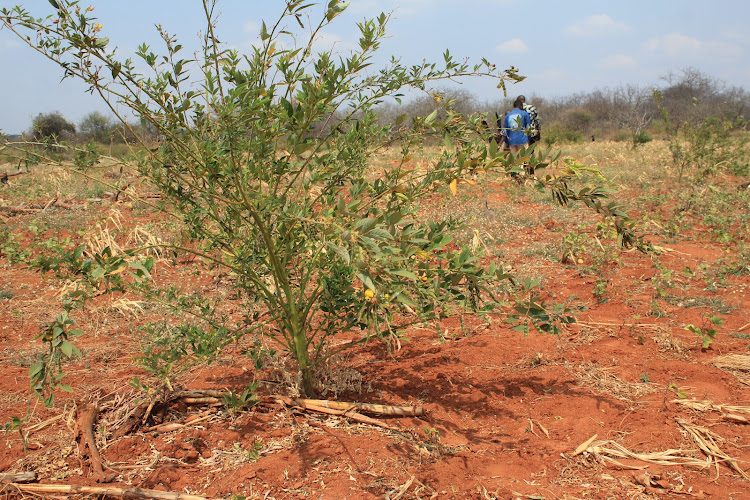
(51, 126)
(268, 160)
(642, 137)
(557, 133)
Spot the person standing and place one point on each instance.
(516, 126)
(535, 132)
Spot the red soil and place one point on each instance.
(504, 412)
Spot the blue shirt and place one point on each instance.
(515, 125)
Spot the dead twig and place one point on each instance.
(301, 404)
(70, 489)
(173, 426)
(17, 477)
(401, 490)
(398, 411)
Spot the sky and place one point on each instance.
(562, 47)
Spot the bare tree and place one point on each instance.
(633, 109)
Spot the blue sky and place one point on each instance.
(562, 47)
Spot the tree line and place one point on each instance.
(627, 112)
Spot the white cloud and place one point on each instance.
(333, 43)
(677, 44)
(736, 36)
(513, 46)
(597, 25)
(9, 44)
(617, 61)
(251, 27)
(673, 44)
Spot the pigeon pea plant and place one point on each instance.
(266, 158)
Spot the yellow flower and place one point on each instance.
(369, 294)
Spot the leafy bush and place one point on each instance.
(559, 133)
(702, 148)
(268, 161)
(51, 126)
(97, 127)
(642, 137)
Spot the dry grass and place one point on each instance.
(601, 380)
(737, 364)
(708, 441)
(612, 452)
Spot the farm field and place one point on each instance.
(646, 395)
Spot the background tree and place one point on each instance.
(51, 126)
(97, 127)
(633, 109)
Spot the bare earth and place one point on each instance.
(505, 413)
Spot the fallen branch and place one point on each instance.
(17, 477)
(25, 208)
(329, 411)
(4, 178)
(70, 489)
(19, 209)
(629, 325)
(208, 400)
(397, 411)
(86, 420)
(173, 426)
(213, 396)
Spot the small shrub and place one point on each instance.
(557, 133)
(642, 137)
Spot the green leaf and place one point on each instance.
(141, 268)
(264, 32)
(380, 234)
(364, 225)
(35, 370)
(66, 388)
(340, 251)
(54, 4)
(302, 147)
(367, 281)
(404, 274)
(67, 348)
(97, 273)
(430, 119)
(335, 8)
(102, 42)
(404, 299)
